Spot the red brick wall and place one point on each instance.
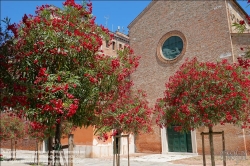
(22, 144)
(234, 139)
(149, 142)
(205, 27)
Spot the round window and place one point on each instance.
(171, 47)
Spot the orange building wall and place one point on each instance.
(85, 136)
(82, 136)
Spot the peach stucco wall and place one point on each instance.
(85, 136)
(82, 136)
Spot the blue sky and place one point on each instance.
(112, 13)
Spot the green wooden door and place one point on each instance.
(179, 142)
(46, 145)
(189, 142)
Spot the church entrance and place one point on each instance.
(179, 142)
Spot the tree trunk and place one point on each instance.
(37, 150)
(211, 145)
(70, 149)
(117, 148)
(15, 148)
(57, 146)
(50, 155)
(11, 146)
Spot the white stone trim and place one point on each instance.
(164, 141)
(89, 151)
(104, 150)
(43, 147)
(194, 141)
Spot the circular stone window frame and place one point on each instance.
(162, 41)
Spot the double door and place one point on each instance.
(179, 142)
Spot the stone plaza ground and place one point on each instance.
(27, 158)
(198, 161)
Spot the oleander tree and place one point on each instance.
(12, 128)
(205, 94)
(52, 70)
(129, 114)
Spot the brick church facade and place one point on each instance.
(166, 33)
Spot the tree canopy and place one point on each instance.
(53, 70)
(205, 94)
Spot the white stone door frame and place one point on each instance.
(164, 141)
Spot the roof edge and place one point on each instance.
(240, 8)
(154, 1)
(142, 13)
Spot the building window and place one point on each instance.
(113, 45)
(107, 43)
(171, 47)
(120, 46)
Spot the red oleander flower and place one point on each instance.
(25, 17)
(115, 63)
(70, 96)
(13, 28)
(42, 71)
(58, 78)
(242, 22)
